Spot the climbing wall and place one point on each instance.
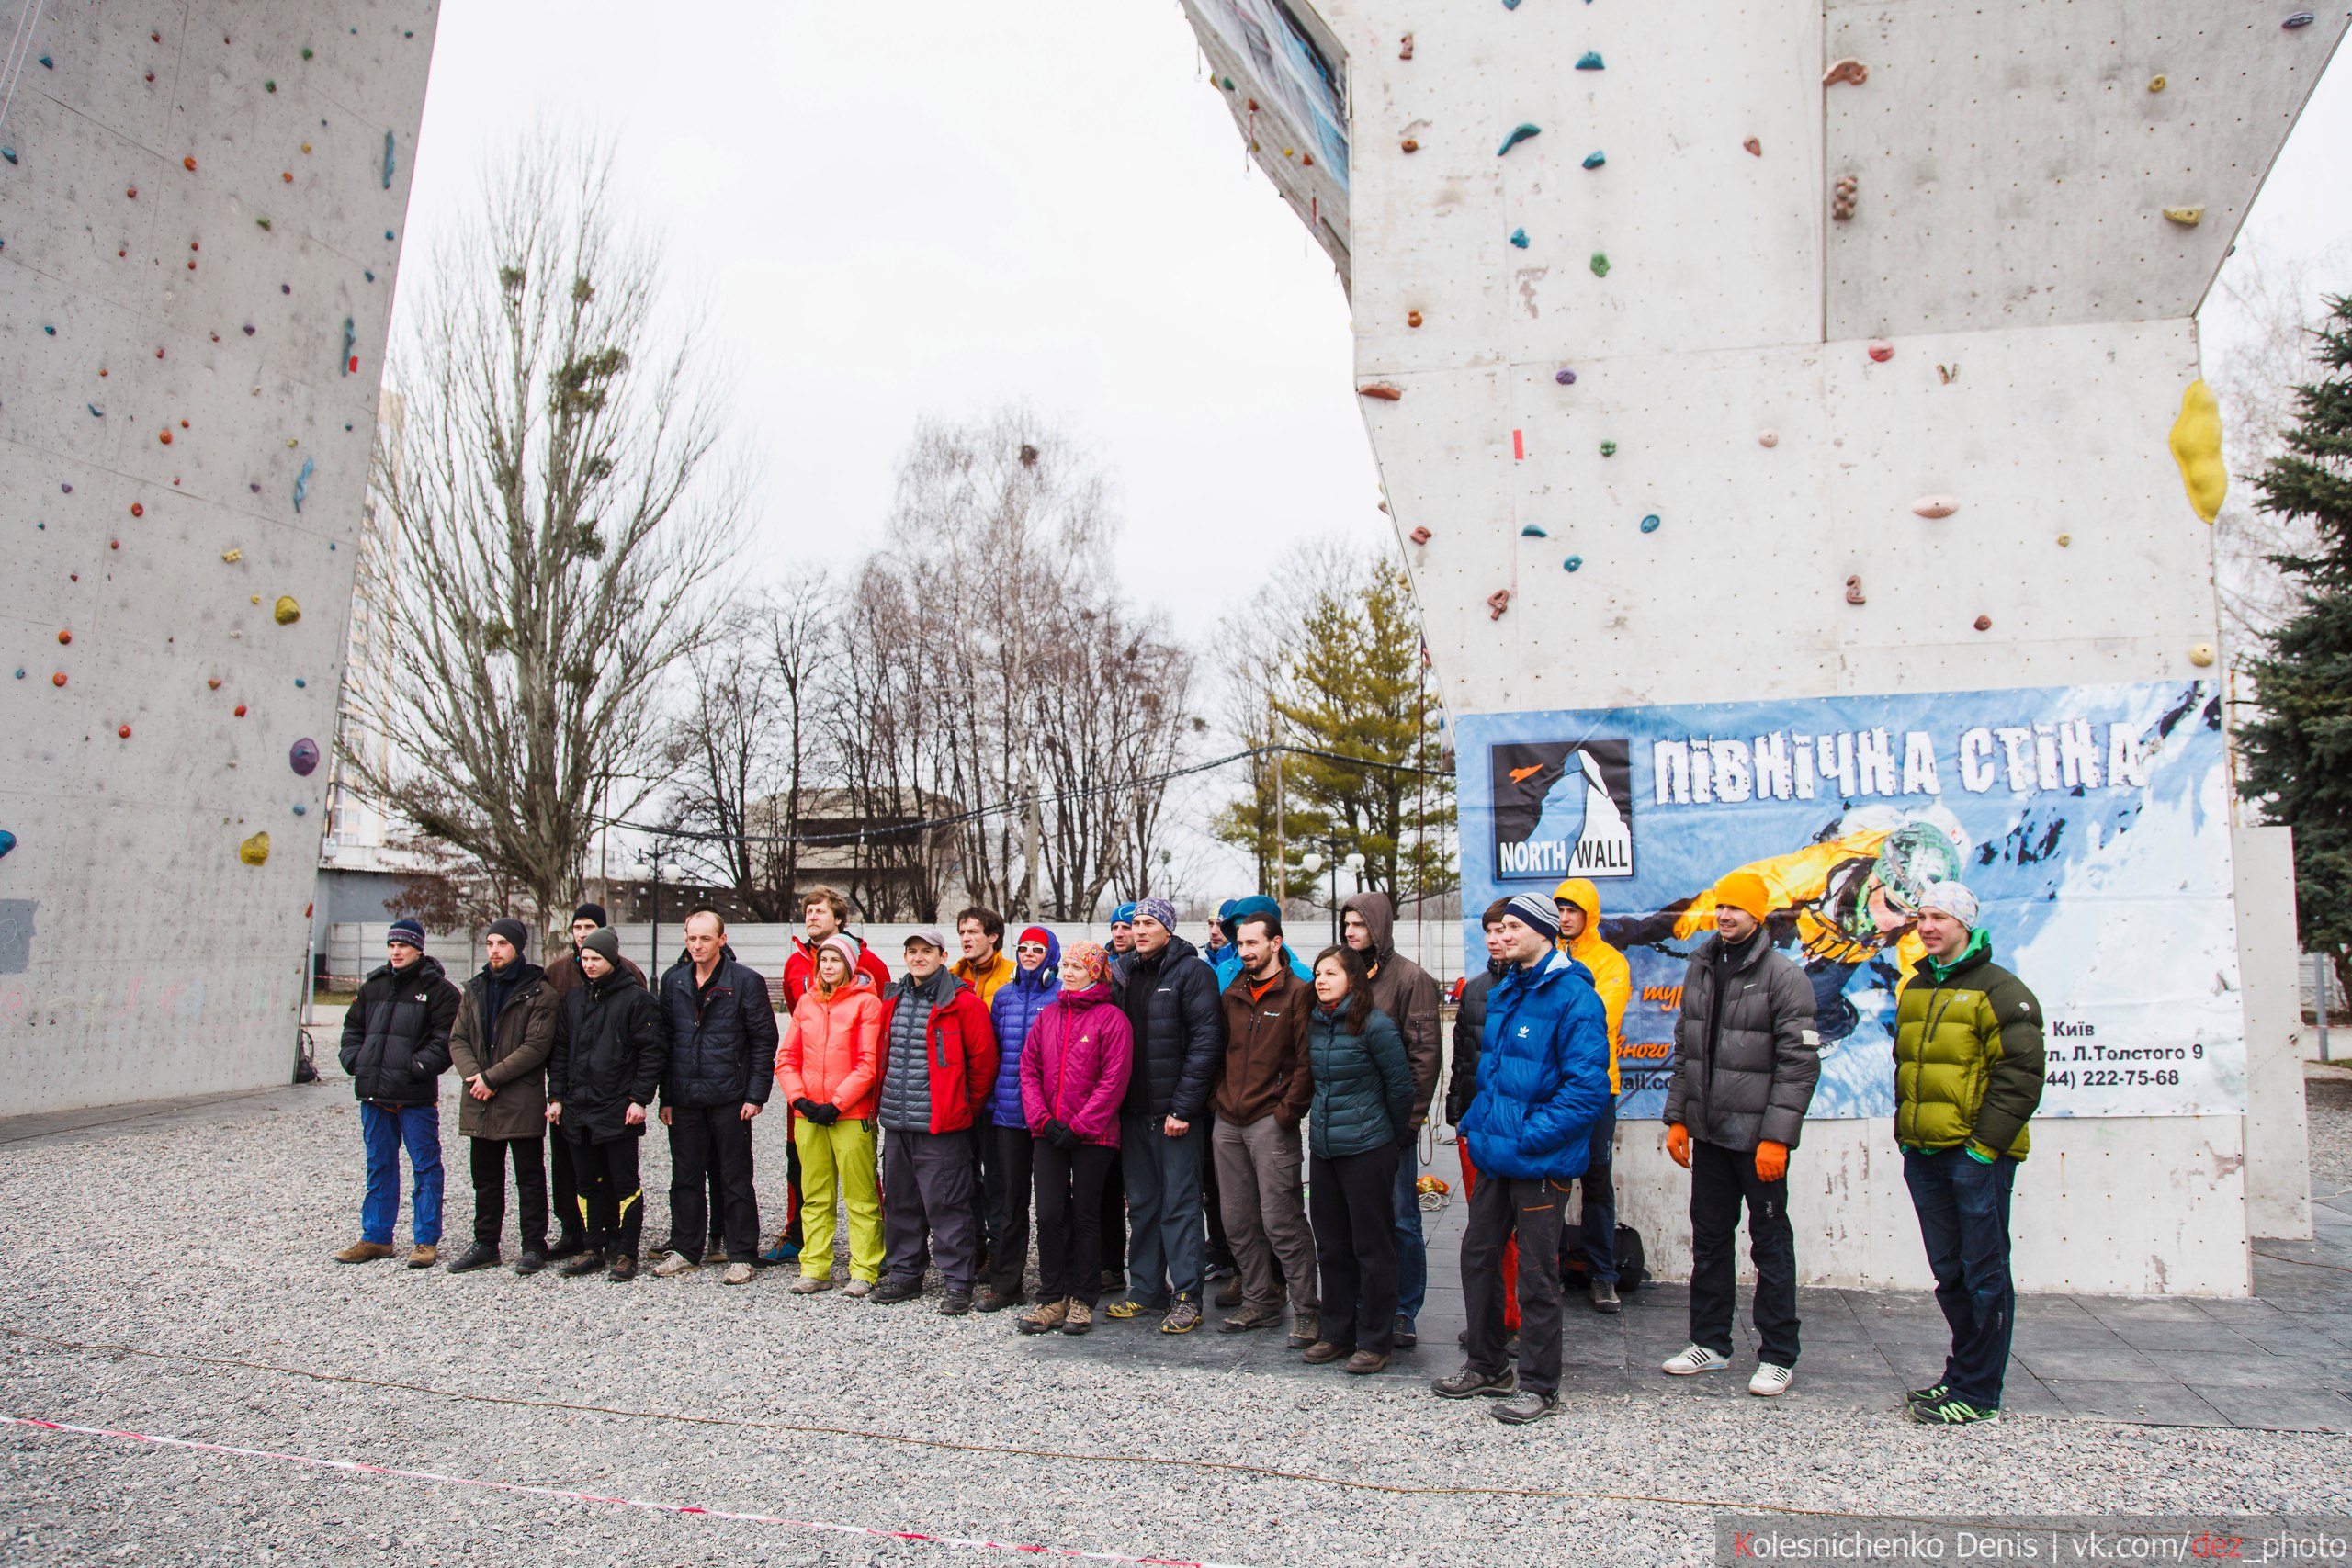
(1803, 348)
(201, 213)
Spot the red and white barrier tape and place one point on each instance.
(356, 1467)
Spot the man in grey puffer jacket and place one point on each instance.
(1747, 1057)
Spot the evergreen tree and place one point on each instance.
(2297, 750)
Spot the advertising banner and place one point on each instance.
(2091, 822)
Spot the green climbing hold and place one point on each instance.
(1601, 264)
(1573, 563)
(1226, 82)
(306, 52)
(269, 85)
(1591, 60)
(261, 222)
(1650, 524)
(1518, 133)
(1594, 159)
(1532, 532)
(1609, 448)
(1518, 238)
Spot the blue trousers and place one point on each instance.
(386, 1131)
(1964, 1205)
(1412, 1251)
(1166, 1239)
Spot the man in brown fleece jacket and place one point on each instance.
(1261, 1096)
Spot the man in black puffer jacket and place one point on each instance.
(610, 1044)
(1173, 1007)
(722, 1063)
(396, 1046)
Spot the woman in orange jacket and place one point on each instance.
(828, 1066)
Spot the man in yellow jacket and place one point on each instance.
(1579, 905)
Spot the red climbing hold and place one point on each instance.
(124, 732)
(241, 710)
(214, 683)
(64, 637)
(1420, 536)
(165, 437)
(1381, 390)
(1755, 148)
(1984, 623)
(137, 509)
(1497, 602)
(1880, 351)
(132, 193)
(188, 163)
(1854, 590)
(58, 679)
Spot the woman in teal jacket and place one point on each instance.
(1358, 1128)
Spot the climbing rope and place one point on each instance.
(20, 50)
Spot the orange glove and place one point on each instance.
(1771, 1160)
(1677, 1143)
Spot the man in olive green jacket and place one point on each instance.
(1968, 1066)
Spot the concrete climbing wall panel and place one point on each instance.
(2014, 165)
(199, 227)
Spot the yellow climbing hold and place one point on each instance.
(256, 850)
(2155, 83)
(2197, 447)
(232, 557)
(2201, 654)
(2187, 217)
(288, 611)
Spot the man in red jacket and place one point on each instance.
(938, 1069)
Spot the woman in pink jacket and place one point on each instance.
(827, 1065)
(1074, 1067)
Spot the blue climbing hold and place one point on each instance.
(302, 485)
(389, 145)
(1594, 160)
(9, 153)
(1532, 532)
(300, 809)
(20, 672)
(50, 329)
(388, 233)
(1565, 377)
(1511, 5)
(371, 277)
(47, 63)
(7, 840)
(1518, 133)
(1518, 238)
(299, 681)
(1650, 524)
(95, 412)
(1573, 563)
(1591, 60)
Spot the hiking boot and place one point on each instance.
(480, 1255)
(531, 1262)
(568, 1244)
(785, 1250)
(1692, 1359)
(587, 1260)
(1770, 1382)
(890, 1291)
(1111, 1279)
(1323, 1353)
(624, 1266)
(1044, 1317)
(1182, 1317)
(1405, 1334)
(1080, 1318)
(1305, 1330)
(1604, 1297)
(858, 1290)
(956, 1303)
(1949, 1412)
(989, 1299)
(737, 1274)
(1247, 1318)
(808, 1285)
(1365, 1362)
(1125, 1309)
(1231, 1294)
(677, 1263)
(363, 1252)
(1527, 1406)
(425, 1256)
(1470, 1382)
(714, 1251)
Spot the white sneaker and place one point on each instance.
(1692, 1359)
(677, 1263)
(1770, 1382)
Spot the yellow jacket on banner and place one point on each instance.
(1611, 975)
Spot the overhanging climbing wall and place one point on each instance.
(200, 214)
(1799, 349)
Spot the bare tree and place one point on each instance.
(560, 514)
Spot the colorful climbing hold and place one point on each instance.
(1984, 623)
(1601, 264)
(1847, 70)
(2299, 19)
(303, 756)
(138, 510)
(1410, 145)
(1497, 602)
(165, 436)
(287, 611)
(300, 809)
(1934, 505)
(1565, 377)
(1412, 318)
(1590, 61)
(1609, 448)
(1532, 531)
(1405, 47)
(1841, 206)
(1650, 523)
(1755, 148)
(2066, 539)
(2197, 447)
(7, 840)
(48, 328)
(389, 144)
(1420, 536)
(2187, 217)
(1518, 238)
(256, 850)
(302, 485)
(1768, 438)
(1594, 159)
(262, 224)
(95, 412)
(269, 83)
(299, 682)
(2201, 654)
(306, 51)
(1380, 391)
(188, 163)
(1854, 590)
(1574, 563)
(2155, 83)
(241, 710)
(122, 731)
(9, 153)
(58, 679)
(64, 637)
(1518, 133)
(1880, 350)
(350, 339)
(212, 682)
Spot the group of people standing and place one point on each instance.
(1158, 1106)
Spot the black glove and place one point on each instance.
(806, 1108)
(824, 1115)
(1057, 1134)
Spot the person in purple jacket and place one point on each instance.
(1018, 1004)
(1074, 1069)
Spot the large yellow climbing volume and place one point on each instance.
(256, 850)
(2197, 447)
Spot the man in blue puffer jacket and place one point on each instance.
(1020, 1002)
(1542, 1081)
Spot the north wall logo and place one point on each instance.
(1562, 809)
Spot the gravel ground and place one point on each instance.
(2327, 1098)
(210, 1237)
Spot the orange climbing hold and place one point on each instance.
(1381, 390)
(1854, 590)
(1410, 145)
(58, 679)
(214, 683)
(64, 637)
(1755, 148)
(1847, 70)
(1412, 318)
(165, 436)
(1497, 602)
(188, 163)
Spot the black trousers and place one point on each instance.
(1008, 1223)
(489, 1157)
(988, 1184)
(1721, 1180)
(612, 1201)
(1352, 1201)
(711, 1146)
(1069, 1218)
(564, 1186)
(1111, 1224)
(1220, 1252)
(1503, 1208)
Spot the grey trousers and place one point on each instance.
(927, 1210)
(1265, 1211)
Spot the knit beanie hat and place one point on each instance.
(1093, 960)
(591, 912)
(409, 931)
(1124, 915)
(1037, 934)
(605, 941)
(1160, 909)
(1744, 891)
(512, 929)
(1951, 899)
(1537, 912)
(844, 945)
